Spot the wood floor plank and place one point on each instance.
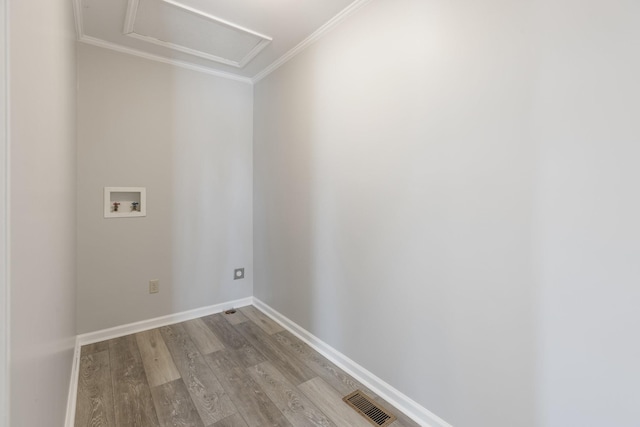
(336, 377)
(254, 405)
(94, 348)
(330, 402)
(204, 388)
(292, 402)
(174, 406)
(156, 358)
(259, 318)
(206, 341)
(222, 329)
(234, 420)
(322, 366)
(257, 379)
(94, 403)
(235, 318)
(244, 352)
(291, 367)
(133, 405)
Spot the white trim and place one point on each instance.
(202, 69)
(170, 319)
(77, 14)
(254, 52)
(396, 398)
(132, 12)
(130, 17)
(194, 52)
(314, 37)
(132, 328)
(70, 418)
(215, 19)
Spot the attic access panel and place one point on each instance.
(180, 27)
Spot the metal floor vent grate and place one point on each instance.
(369, 409)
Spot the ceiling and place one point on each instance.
(239, 39)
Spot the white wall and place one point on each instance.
(42, 208)
(443, 191)
(187, 138)
(587, 232)
(393, 192)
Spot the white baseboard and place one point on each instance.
(73, 386)
(132, 328)
(170, 319)
(396, 398)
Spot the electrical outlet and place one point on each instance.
(238, 273)
(154, 286)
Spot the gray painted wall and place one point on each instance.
(42, 209)
(187, 138)
(587, 131)
(442, 192)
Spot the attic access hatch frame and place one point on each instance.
(261, 40)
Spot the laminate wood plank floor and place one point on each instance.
(246, 354)
(210, 399)
(95, 392)
(132, 404)
(261, 319)
(174, 406)
(158, 363)
(291, 367)
(292, 403)
(235, 317)
(223, 370)
(206, 341)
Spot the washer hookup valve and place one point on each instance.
(115, 206)
(134, 206)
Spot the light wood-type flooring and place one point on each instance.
(223, 370)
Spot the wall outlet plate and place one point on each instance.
(238, 273)
(154, 286)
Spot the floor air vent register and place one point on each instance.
(369, 409)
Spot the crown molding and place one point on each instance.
(118, 48)
(314, 37)
(77, 12)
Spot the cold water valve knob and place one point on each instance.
(134, 206)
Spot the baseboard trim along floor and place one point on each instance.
(132, 328)
(402, 402)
